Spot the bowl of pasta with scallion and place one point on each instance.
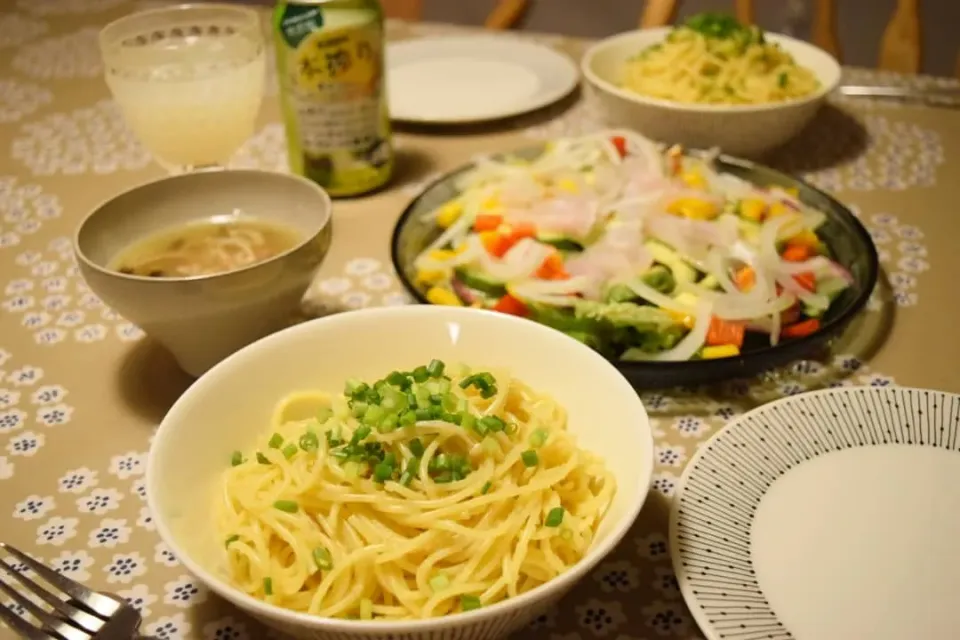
(413, 472)
(710, 82)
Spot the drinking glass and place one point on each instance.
(188, 80)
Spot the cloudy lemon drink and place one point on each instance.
(330, 60)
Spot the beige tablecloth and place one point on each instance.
(81, 390)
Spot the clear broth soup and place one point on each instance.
(217, 245)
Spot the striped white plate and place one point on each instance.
(832, 515)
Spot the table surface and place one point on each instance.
(81, 390)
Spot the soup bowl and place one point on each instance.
(202, 319)
(235, 402)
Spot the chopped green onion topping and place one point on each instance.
(289, 451)
(435, 368)
(382, 472)
(530, 458)
(286, 505)
(268, 586)
(324, 414)
(309, 441)
(416, 447)
(420, 374)
(486, 487)
(469, 421)
(492, 423)
(322, 557)
(554, 517)
(469, 602)
(262, 459)
(538, 438)
(362, 432)
(231, 539)
(275, 441)
(408, 418)
(439, 582)
(485, 383)
(236, 459)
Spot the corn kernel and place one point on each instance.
(806, 238)
(430, 276)
(720, 351)
(778, 209)
(490, 204)
(682, 318)
(694, 179)
(449, 213)
(693, 208)
(793, 191)
(436, 295)
(568, 185)
(441, 255)
(752, 209)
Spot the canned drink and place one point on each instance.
(330, 63)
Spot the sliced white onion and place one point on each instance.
(808, 297)
(732, 307)
(687, 347)
(653, 296)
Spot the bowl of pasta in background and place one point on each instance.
(234, 406)
(747, 130)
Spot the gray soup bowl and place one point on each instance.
(203, 319)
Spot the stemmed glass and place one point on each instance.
(188, 80)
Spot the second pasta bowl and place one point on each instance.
(414, 472)
(747, 130)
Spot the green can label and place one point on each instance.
(331, 75)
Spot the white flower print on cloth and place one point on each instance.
(77, 480)
(66, 7)
(600, 618)
(25, 376)
(124, 567)
(183, 592)
(54, 415)
(226, 628)
(139, 488)
(57, 531)
(100, 501)
(396, 299)
(145, 521)
(356, 300)
(128, 332)
(377, 282)
(904, 262)
(75, 55)
(362, 266)
(35, 319)
(16, 29)
(666, 618)
(8, 398)
(546, 620)
(653, 546)
(48, 394)
(110, 533)
(665, 582)
(665, 482)
(670, 455)
(73, 564)
(90, 333)
(163, 555)
(33, 507)
(25, 444)
(334, 286)
(12, 420)
(266, 150)
(19, 99)
(172, 627)
(363, 282)
(129, 464)
(7, 468)
(91, 139)
(900, 155)
(690, 426)
(139, 597)
(617, 576)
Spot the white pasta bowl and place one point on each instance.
(230, 407)
(743, 130)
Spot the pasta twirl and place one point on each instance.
(716, 60)
(423, 494)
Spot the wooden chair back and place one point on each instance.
(900, 46)
(505, 14)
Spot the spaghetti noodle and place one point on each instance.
(424, 494)
(716, 60)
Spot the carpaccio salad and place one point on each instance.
(641, 252)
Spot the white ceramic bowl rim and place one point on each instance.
(326, 207)
(289, 617)
(827, 84)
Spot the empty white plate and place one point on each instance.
(832, 515)
(452, 80)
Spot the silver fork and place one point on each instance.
(72, 611)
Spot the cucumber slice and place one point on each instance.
(480, 281)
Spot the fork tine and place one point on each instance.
(92, 600)
(17, 623)
(78, 617)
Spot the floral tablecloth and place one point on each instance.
(81, 389)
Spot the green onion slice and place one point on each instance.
(554, 517)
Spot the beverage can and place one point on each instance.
(330, 63)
